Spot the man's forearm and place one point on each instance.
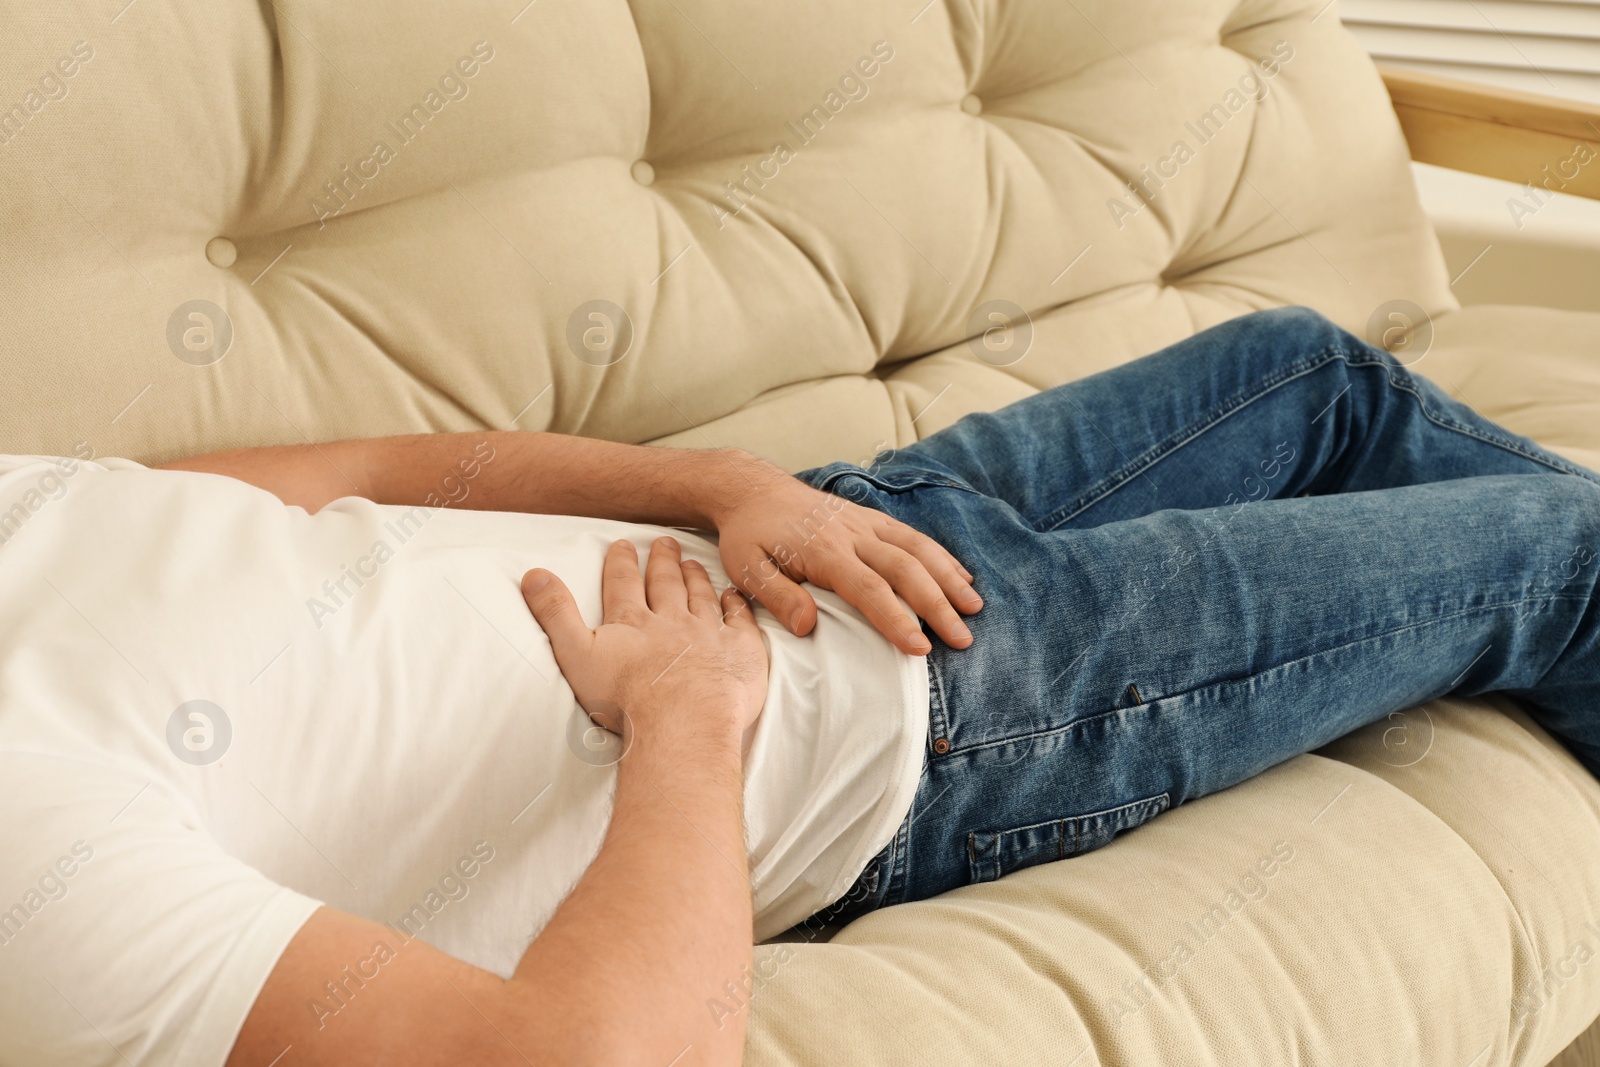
(497, 470)
(661, 920)
(558, 474)
(633, 967)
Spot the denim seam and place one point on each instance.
(938, 718)
(1558, 465)
(1099, 716)
(1226, 409)
(894, 888)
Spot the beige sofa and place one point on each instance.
(778, 226)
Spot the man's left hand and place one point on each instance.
(776, 532)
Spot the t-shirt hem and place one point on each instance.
(896, 801)
(234, 991)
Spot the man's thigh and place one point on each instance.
(1268, 406)
(1125, 668)
(1224, 415)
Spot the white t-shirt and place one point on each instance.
(217, 711)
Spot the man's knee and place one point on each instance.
(1291, 334)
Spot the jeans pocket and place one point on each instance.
(991, 854)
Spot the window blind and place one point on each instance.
(1539, 46)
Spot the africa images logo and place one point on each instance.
(199, 732)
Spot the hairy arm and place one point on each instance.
(496, 470)
(624, 970)
(775, 531)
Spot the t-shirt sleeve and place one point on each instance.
(127, 936)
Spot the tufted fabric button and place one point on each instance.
(642, 172)
(941, 746)
(971, 104)
(221, 252)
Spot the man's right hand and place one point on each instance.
(666, 643)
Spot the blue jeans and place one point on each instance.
(1207, 561)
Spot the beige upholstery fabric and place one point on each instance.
(469, 230)
(1415, 890)
(402, 213)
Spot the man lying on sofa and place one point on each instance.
(302, 785)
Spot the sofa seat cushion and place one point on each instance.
(1423, 891)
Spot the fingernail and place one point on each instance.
(794, 618)
(536, 581)
(963, 633)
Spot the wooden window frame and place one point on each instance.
(1502, 133)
